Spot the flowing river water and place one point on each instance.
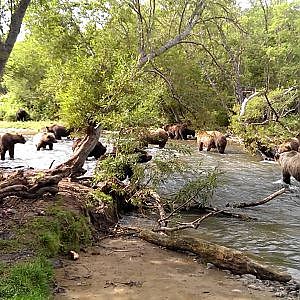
(274, 236)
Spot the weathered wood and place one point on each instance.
(225, 258)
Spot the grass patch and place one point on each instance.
(27, 280)
(59, 232)
(32, 125)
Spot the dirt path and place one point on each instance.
(128, 268)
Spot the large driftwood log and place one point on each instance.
(225, 258)
(35, 183)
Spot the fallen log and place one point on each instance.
(222, 257)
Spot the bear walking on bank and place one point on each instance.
(22, 115)
(290, 164)
(8, 141)
(44, 139)
(211, 140)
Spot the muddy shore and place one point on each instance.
(129, 268)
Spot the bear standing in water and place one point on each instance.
(58, 131)
(44, 139)
(291, 144)
(210, 140)
(8, 141)
(155, 137)
(290, 164)
(98, 150)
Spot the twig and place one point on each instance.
(195, 224)
(51, 164)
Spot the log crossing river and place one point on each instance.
(274, 236)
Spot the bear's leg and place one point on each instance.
(221, 149)
(286, 177)
(3, 150)
(200, 146)
(11, 152)
(50, 146)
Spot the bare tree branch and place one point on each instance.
(194, 19)
(256, 203)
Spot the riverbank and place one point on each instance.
(129, 268)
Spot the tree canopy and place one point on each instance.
(145, 63)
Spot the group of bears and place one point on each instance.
(287, 154)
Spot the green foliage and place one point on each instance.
(199, 190)
(99, 197)
(61, 232)
(27, 280)
(259, 121)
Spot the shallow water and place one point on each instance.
(274, 236)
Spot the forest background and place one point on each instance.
(147, 63)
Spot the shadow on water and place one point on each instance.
(274, 236)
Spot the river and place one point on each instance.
(274, 236)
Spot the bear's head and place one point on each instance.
(50, 138)
(19, 138)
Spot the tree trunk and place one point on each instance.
(14, 29)
(220, 256)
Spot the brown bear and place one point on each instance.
(22, 115)
(211, 140)
(59, 131)
(179, 131)
(98, 150)
(290, 164)
(44, 139)
(8, 141)
(155, 137)
(291, 144)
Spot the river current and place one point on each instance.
(274, 236)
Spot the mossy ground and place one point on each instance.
(30, 233)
